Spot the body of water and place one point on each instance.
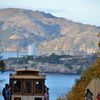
(13, 54)
(59, 84)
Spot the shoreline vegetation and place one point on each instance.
(65, 64)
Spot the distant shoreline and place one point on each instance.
(62, 73)
(43, 72)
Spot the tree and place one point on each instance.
(2, 65)
(78, 90)
(99, 45)
(98, 35)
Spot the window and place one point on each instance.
(17, 98)
(17, 86)
(27, 88)
(38, 98)
(38, 86)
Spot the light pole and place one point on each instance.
(18, 51)
(15, 39)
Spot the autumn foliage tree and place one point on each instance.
(78, 90)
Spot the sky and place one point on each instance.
(82, 11)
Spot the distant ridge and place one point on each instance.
(50, 34)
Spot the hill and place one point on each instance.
(79, 88)
(20, 28)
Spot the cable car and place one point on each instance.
(27, 84)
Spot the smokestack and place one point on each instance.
(30, 49)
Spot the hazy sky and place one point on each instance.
(84, 11)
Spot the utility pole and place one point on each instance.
(17, 51)
(0, 46)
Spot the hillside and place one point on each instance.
(78, 90)
(20, 28)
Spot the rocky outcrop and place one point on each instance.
(20, 28)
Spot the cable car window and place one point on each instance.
(17, 98)
(27, 88)
(17, 86)
(38, 86)
(38, 98)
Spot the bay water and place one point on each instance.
(59, 84)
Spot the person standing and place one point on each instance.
(89, 95)
(6, 92)
(46, 94)
(98, 96)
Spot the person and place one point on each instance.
(89, 95)
(46, 94)
(98, 96)
(6, 92)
